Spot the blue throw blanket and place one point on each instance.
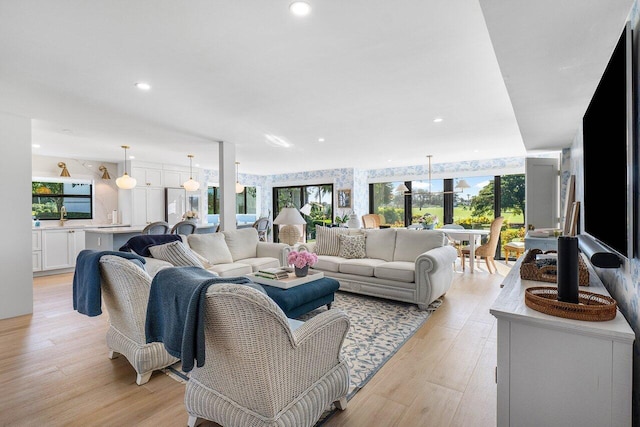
(87, 297)
(141, 244)
(175, 314)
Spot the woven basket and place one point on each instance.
(592, 307)
(530, 271)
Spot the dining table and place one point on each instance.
(470, 235)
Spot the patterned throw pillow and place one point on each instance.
(352, 247)
(327, 240)
(177, 253)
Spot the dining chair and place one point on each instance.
(371, 221)
(184, 227)
(157, 227)
(488, 249)
(262, 225)
(457, 244)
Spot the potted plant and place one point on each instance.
(428, 221)
(301, 261)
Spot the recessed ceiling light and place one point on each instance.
(35, 145)
(143, 86)
(320, 139)
(300, 8)
(437, 120)
(132, 157)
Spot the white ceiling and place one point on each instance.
(368, 76)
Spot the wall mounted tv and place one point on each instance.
(608, 135)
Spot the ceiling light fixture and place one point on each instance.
(191, 185)
(143, 86)
(35, 145)
(65, 171)
(125, 181)
(300, 8)
(105, 172)
(438, 120)
(239, 187)
(461, 185)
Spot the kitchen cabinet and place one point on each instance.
(175, 179)
(60, 247)
(147, 205)
(36, 248)
(147, 177)
(554, 371)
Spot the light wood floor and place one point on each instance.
(54, 369)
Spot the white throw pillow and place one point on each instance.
(176, 253)
(352, 247)
(328, 240)
(211, 246)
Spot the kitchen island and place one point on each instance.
(111, 239)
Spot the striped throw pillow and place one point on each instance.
(177, 253)
(328, 240)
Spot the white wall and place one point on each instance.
(16, 286)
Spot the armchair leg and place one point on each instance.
(113, 354)
(143, 378)
(194, 421)
(341, 403)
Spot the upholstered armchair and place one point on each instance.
(125, 291)
(258, 371)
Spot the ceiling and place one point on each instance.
(369, 77)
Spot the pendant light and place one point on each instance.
(239, 187)
(125, 181)
(191, 185)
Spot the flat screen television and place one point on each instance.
(608, 135)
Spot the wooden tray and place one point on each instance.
(530, 271)
(592, 307)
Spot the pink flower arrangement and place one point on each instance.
(302, 259)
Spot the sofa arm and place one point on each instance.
(434, 273)
(273, 250)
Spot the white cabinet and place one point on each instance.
(554, 371)
(147, 177)
(36, 247)
(60, 248)
(175, 179)
(147, 205)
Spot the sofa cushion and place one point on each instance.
(329, 263)
(177, 253)
(212, 246)
(360, 267)
(380, 243)
(231, 269)
(402, 271)
(411, 243)
(352, 246)
(328, 240)
(258, 263)
(242, 243)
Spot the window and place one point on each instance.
(245, 201)
(386, 201)
(49, 196)
(319, 197)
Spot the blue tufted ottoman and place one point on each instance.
(303, 298)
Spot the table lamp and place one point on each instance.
(287, 219)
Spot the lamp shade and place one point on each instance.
(191, 185)
(126, 182)
(306, 209)
(402, 188)
(462, 184)
(289, 216)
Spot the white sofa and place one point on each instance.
(413, 266)
(230, 253)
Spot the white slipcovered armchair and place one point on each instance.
(260, 372)
(125, 291)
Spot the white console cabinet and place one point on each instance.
(560, 372)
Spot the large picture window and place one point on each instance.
(48, 198)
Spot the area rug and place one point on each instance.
(379, 327)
